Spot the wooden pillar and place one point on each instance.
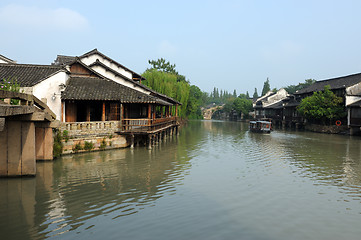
(88, 113)
(150, 141)
(149, 113)
(132, 141)
(103, 113)
(176, 110)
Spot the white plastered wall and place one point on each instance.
(48, 87)
(119, 79)
(91, 59)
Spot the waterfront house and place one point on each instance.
(270, 105)
(348, 88)
(95, 98)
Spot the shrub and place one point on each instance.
(88, 145)
(77, 147)
(58, 145)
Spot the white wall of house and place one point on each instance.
(354, 89)
(280, 94)
(351, 99)
(91, 59)
(48, 87)
(118, 79)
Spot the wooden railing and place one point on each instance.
(110, 127)
(146, 125)
(89, 128)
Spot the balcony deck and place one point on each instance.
(125, 126)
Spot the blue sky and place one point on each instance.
(224, 44)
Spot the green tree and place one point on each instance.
(162, 65)
(195, 101)
(293, 88)
(168, 83)
(255, 94)
(322, 106)
(247, 95)
(266, 87)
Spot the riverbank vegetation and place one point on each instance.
(323, 107)
(163, 77)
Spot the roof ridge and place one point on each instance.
(330, 79)
(29, 65)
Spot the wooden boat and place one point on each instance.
(260, 126)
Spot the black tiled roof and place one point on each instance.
(87, 88)
(276, 105)
(63, 60)
(28, 75)
(335, 83)
(153, 93)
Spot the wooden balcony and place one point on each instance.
(142, 125)
(145, 125)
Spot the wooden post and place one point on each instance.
(149, 113)
(103, 113)
(88, 113)
(176, 110)
(132, 141)
(150, 141)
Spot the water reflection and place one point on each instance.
(71, 190)
(215, 179)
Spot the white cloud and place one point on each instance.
(167, 49)
(41, 18)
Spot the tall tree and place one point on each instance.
(234, 93)
(266, 87)
(255, 94)
(163, 65)
(247, 95)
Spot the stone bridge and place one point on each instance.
(25, 134)
(208, 112)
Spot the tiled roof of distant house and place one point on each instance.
(63, 60)
(88, 88)
(335, 83)
(28, 75)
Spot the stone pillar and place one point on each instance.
(17, 142)
(28, 158)
(44, 143)
(4, 150)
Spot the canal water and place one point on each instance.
(216, 180)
